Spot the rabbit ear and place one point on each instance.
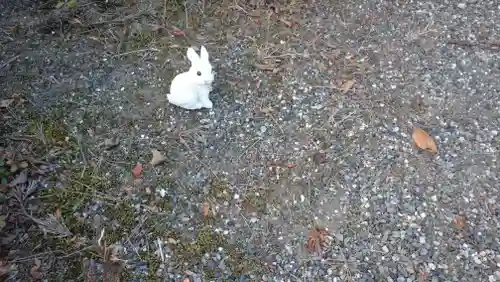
(192, 56)
(203, 54)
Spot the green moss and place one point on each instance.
(141, 40)
(207, 241)
(210, 274)
(220, 190)
(240, 263)
(50, 132)
(255, 202)
(124, 214)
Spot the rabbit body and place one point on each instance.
(190, 90)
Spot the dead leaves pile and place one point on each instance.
(317, 240)
(424, 141)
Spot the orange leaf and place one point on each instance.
(137, 171)
(206, 209)
(58, 213)
(424, 141)
(459, 222)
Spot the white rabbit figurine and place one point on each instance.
(190, 89)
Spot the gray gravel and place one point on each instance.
(389, 207)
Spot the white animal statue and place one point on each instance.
(190, 90)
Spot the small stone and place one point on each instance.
(497, 274)
(110, 143)
(476, 260)
(385, 249)
(462, 5)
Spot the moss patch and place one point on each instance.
(220, 190)
(206, 241)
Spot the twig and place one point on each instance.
(161, 249)
(119, 21)
(136, 51)
(9, 61)
(491, 45)
(186, 14)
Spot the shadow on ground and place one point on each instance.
(314, 106)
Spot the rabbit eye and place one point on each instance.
(198, 73)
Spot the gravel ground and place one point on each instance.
(294, 150)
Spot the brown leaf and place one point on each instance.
(4, 268)
(346, 86)
(35, 271)
(423, 140)
(4, 187)
(57, 213)
(157, 158)
(290, 165)
(21, 178)
(206, 209)
(459, 222)
(137, 171)
(6, 103)
(286, 22)
(23, 164)
(317, 239)
(185, 280)
(75, 21)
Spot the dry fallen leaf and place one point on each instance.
(186, 280)
(206, 209)
(4, 187)
(346, 86)
(21, 178)
(35, 271)
(459, 222)
(57, 213)
(137, 171)
(317, 239)
(157, 158)
(423, 140)
(4, 268)
(6, 103)
(23, 164)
